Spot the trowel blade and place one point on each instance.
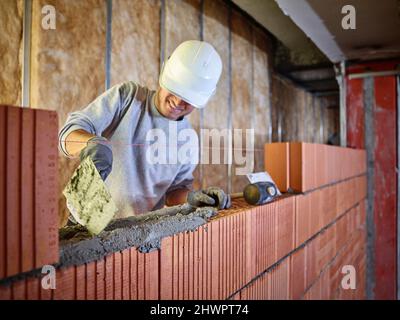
(88, 198)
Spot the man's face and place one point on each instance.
(170, 106)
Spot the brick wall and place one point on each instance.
(292, 248)
(28, 189)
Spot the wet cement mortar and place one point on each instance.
(145, 232)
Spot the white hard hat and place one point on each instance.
(192, 72)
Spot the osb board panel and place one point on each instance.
(216, 32)
(182, 22)
(136, 42)
(11, 13)
(242, 55)
(67, 68)
(261, 94)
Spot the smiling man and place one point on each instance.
(112, 132)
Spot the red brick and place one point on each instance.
(151, 275)
(27, 190)
(310, 164)
(315, 290)
(100, 280)
(271, 233)
(3, 188)
(276, 163)
(213, 228)
(48, 294)
(133, 273)
(166, 267)
(13, 174)
(141, 279)
(202, 258)
(65, 284)
(250, 245)
(19, 290)
(222, 260)
(180, 252)
(296, 166)
(5, 292)
(46, 188)
(196, 259)
(81, 282)
(33, 288)
(109, 277)
(297, 274)
(279, 281)
(91, 281)
(186, 270)
(285, 226)
(311, 261)
(117, 275)
(303, 216)
(240, 261)
(207, 263)
(175, 267)
(316, 217)
(320, 160)
(126, 279)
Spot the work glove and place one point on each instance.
(212, 196)
(99, 150)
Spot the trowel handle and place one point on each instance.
(236, 195)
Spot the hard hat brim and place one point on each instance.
(196, 99)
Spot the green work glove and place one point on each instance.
(212, 196)
(99, 150)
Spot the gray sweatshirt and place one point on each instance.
(124, 115)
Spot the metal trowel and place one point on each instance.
(88, 198)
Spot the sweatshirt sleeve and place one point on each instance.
(184, 179)
(99, 114)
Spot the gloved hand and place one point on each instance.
(212, 196)
(99, 150)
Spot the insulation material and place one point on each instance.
(299, 112)
(135, 52)
(11, 12)
(67, 69)
(261, 96)
(242, 112)
(216, 114)
(178, 30)
(276, 108)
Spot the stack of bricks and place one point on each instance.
(28, 189)
(292, 248)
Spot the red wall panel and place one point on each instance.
(385, 187)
